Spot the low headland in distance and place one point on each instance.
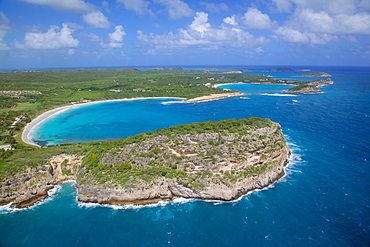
(26, 95)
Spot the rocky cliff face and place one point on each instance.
(310, 87)
(31, 185)
(240, 156)
(239, 163)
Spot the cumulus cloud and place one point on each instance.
(54, 38)
(66, 5)
(4, 27)
(140, 6)
(202, 34)
(96, 19)
(231, 20)
(3, 45)
(116, 38)
(255, 19)
(322, 22)
(176, 9)
(214, 7)
(329, 6)
(71, 52)
(200, 22)
(296, 36)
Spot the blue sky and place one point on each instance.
(91, 33)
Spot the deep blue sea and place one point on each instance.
(324, 200)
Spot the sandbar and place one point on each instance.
(213, 96)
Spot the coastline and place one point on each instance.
(224, 84)
(213, 97)
(28, 129)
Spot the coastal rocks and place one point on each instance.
(310, 87)
(212, 160)
(305, 89)
(215, 166)
(32, 185)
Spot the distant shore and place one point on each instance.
(29, 128)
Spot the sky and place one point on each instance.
(92, 33)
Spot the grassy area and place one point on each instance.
(22, 106)
(35, 92)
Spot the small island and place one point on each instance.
(317, 74)
(210, 160)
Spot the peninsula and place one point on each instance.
(211, 160)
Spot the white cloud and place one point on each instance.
(4, 27)
(296, 36)
(3, 45)
(71, 52)
(96, 19)
(329, 6)
(214, 7)
(231, 21)
(322, 22)
(177, 9)
(200, 22)
(140, 6)
(201, 34)
(54, 38)
(259, 49)
(67, 5)
(255, 19)
(116, 38)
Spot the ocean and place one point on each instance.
(324, 200)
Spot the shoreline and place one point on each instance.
(28, 129)
(213, 97)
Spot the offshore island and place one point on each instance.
(211, 160)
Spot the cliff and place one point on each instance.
(32, 184)
(212, 160)
(310, 86)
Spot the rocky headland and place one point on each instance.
(317, 74)
(211, 160)
(310, 86)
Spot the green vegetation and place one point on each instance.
(171, 153)
(30, 93)
(317, 74)
(302, 87)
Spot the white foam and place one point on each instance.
(172, 102)
(51, 194)
(279, 94)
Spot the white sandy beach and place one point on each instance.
(31, 126)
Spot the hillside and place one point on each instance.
(210, 160)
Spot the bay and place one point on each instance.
(323, 200)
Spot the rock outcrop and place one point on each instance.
(208, 166)
(33, 184)
(310, 87)
(212, 160)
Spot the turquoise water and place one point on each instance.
(323, 200)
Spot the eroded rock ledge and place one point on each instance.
(212, 160)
